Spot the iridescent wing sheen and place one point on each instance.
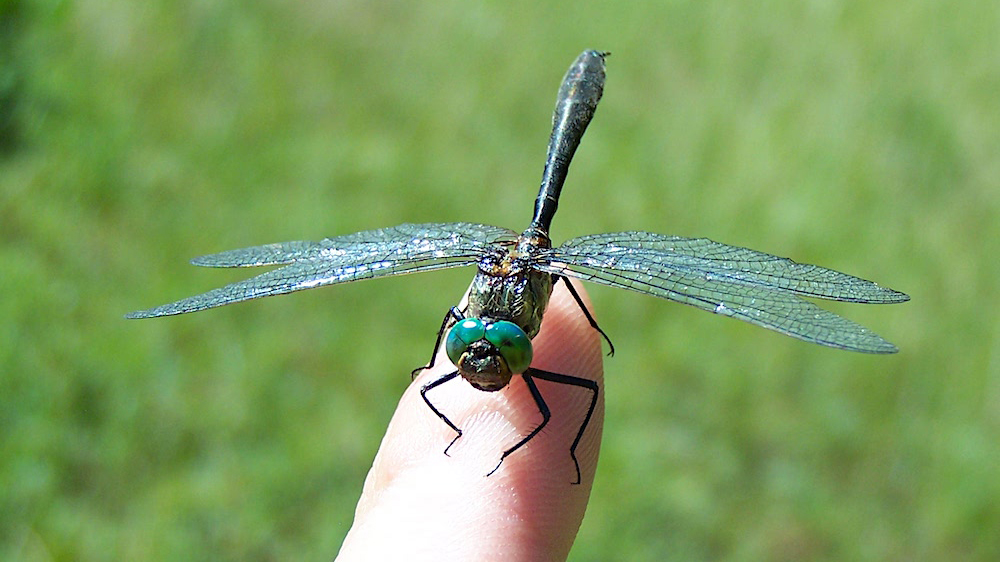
(752, 286)
(402, 249)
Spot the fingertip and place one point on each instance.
(529, 504)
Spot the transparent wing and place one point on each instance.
(755, 287)
(364, 255)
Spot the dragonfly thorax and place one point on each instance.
(505, 306)
(508, 287)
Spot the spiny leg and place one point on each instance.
(579, 301)
(453, 315)
(423, 394)
(573, 381)
(543, 408)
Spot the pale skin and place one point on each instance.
(419, 504)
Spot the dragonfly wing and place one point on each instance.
(727, 264)
(406, 248)
(755, 287)
(429, 237)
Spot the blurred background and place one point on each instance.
(134, 136)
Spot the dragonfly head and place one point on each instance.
(487, 354)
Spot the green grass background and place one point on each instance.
(863, 136)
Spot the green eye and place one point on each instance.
(461, 336)
(513, 343)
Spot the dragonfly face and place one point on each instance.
(488, 353)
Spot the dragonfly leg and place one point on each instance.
(423, 394)
(582, 383)
(453, 315)
(543, 408)
(586, 312)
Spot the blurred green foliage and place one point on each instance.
(134, 136)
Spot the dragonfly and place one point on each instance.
(488, 339)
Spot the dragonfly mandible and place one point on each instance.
(489, 339)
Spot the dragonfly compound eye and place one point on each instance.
(461, 336)
(513, 344)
